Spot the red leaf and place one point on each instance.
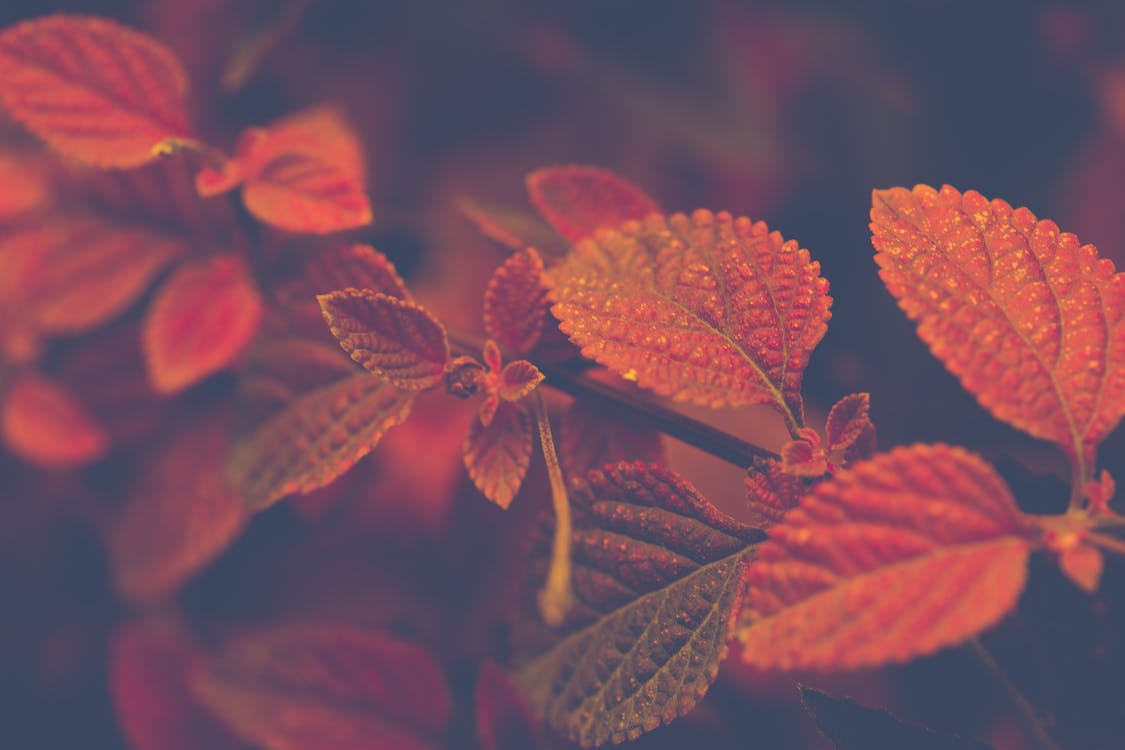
(803, 459)
(592, 435)
(391, 338)
(96, 268)
(518, 379)
(515, 302)
(94, 90)
(1032, 323)
(328, 687)
(315, 438)
(1083, 565)
(912, 551)
(497, 454)
(46, 425)
(200, 321)
(771, 491)
(847, 420)
(304, 173)
(504, 720)
(150, 665)
(511, 227)
(578, 200)
(179, 515)
(707, 308)
(27, 185)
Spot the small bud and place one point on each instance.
(464, 377)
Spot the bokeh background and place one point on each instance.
(786, 112)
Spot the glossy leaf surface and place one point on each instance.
(94, 90)
(497, 454)
(707, 308)
(1032, 322)
(912, 551)
(200, 321)
(391, 338)
(657, 579)
(579, 200)
(515, 302)
(315, 438)
(330, 687)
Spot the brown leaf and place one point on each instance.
(94, 90)
(847, 419)
(591, 436)
(498, 453)
(708, 308)
(511, 227)
(515, 302)
(1083, 565)
(579, 200)
(518, 379)
(393, 339)
(771, 491)
(200, 321)
(44, 424)
(912, 551)
(329, 687)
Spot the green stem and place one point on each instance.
(556, 597)
(1025, 712)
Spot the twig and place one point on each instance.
(556, 597)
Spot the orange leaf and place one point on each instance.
(1032, 323)
(1083, 565)
(497, 455)
(912, 551)
(96, 268)
(518, 379)
(94, 90)
(847, 419)
(578, 200)
(706, 308)
(329, 687)
(771, 490)
(304, 173)
(393, 339)
(179, 515)
(28, 184)
(315, 438)
(200, 321)
(150, 666)
(515, 302)
(45, 424)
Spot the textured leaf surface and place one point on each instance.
(391, 338)
(518, 379)
(851, 726)
(515, 302)
(94, 90)
(706, 308)
(497, 455)
(96, 268)
(657, 579)
(1029, 320)
(315, 439)
(179, 515)
(503, 719)
(579, 200)
(44, 423)
(771, 491)
(847, 420)
(329, 687)
(914, 550)
(150, 667)
(201, 319)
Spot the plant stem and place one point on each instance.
(1025, 712)
(697, 434)
(1106, 542)
(556, 597)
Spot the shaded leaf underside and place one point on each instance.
(657, 579)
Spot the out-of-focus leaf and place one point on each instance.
(150, 666)
(512, 227)
(1031, 322)
(179, 515)
(497, 454)
(578, 200)
(504, 721)
(707, 308)
(94, 90)
(391, 338)
(592, 435)
(329, 687)
(851, 726)
(657, 580)
(912, 551)
(1083, 565)
(45, 424)
(515, 302)
(200, 321)
(315, 438)
(804, 457)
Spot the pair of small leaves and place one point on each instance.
(304, 173)
(850, 434)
